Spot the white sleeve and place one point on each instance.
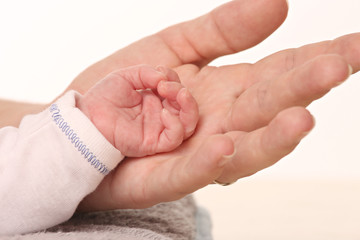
(48, 165)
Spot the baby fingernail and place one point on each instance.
(161, 69)
(162, 85)
(184, 93)
(165, 111)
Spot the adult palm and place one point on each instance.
(251, 115)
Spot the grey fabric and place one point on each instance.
(203, 224)
(173, 220)
(119, 234)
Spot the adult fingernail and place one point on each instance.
(227, 158)
(349, 74)
(350, 69)
(304, 134)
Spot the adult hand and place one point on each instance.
(250, 115)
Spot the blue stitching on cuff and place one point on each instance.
(79, 145)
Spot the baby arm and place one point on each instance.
(141, 110)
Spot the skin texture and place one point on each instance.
(141, 110)
(250, 115)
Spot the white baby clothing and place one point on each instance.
(48, 165)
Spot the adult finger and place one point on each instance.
(265, 146)
(230, 28)
(259, 104)
(179, 177)
(347, 46)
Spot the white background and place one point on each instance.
(45, 44)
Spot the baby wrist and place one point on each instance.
(97, 152)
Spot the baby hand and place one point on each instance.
(141, 110)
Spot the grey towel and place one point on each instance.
(173, 220)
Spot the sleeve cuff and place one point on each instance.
(81, 133)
